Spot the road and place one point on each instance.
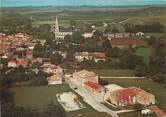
(89, 98)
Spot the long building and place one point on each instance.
(131, 95)
(83, 76)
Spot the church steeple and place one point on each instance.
(56, 25)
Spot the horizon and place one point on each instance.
(45, 3)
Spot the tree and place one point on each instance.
(77, 38)
(157, 61)
(56, 58)
(38, 50)
(140, 70)
(106, 45)
(6, 95)
(152, 41)
(130, 60)
(115, 52)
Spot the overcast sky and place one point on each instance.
(78, 2)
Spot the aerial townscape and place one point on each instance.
(83, 61)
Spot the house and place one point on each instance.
(83, 76)
(122, 43)
(22, 62)
(119, 35)
(55, 79)
(12, 63)
(99, 56)
(130, 96)
(80, 56)
(144, 97)
(94, 87)
(140, 34)
(49, 68)
(3, 48)
(112, 87)
(29, 54)
(87, 35)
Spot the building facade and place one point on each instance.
(59, 35)
(83, 76)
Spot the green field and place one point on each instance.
(114, 72)
(144, 52)
(39, 96)
(155, 88)
(120, 28)
(146, 20)
(157, 35)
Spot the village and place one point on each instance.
(70, 57)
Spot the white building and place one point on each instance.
(140, 34)
(12, 64)
(83, 76)
(60, 35)
(87, 35)
(55, 79)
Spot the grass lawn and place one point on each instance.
(144, 52)
(114, 72)
(39, 96)
(155, 88)
(120, 28)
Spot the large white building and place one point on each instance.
(59, 35)
(83, 76)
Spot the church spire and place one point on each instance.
(56, 25)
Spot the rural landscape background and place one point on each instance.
(26, 93)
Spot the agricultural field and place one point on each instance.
(37, 97)
(114, 72)
(146, 84)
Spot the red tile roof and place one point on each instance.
(94, 85)
(100, 55)
(22, 62)
(3, 46)
(12, 62)
(127, 92)
(127, 42)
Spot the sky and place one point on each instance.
(15, 3)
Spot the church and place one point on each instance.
(59, 35)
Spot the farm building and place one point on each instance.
(122, 43)
(97, 56)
